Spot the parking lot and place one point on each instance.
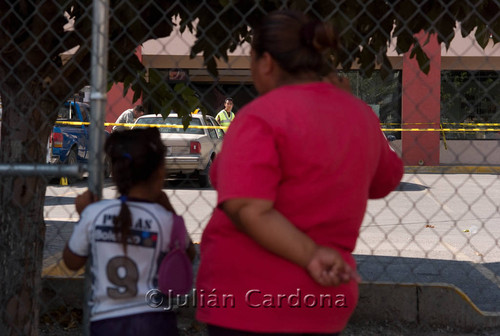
(433, 228)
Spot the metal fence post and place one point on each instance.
(100, 26)
(98, 98)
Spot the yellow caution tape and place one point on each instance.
(471, 127)
(441, 129)
(445, 123)
(476, 129)
(79, 123)
(166, 126)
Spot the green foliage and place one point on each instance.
(366, 29)
(164, 98)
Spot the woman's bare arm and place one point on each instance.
(269, 228)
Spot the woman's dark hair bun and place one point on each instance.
(323, 36)
(296, 43)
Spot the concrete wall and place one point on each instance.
(465, 152)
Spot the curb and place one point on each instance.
(452, 170)
(434, 304)
(54, 266)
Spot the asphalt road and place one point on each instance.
(433, 228)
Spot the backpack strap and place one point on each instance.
(179, 233)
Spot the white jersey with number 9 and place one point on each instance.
(120, 280)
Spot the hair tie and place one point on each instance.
(123, 198)
(127, 156)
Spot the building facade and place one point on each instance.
(461, 91)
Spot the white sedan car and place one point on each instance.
(189, 152)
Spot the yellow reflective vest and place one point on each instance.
(224, 118)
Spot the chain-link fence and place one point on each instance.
(436, 95)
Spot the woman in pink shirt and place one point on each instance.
(297, 168)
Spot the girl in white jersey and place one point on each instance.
(126, 238)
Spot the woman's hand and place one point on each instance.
(165, 202)
(328, 268)
(83, 200)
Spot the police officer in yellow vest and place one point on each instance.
(225, 116)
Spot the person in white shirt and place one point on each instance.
(128, 117)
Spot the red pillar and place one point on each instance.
(117, 103)
(421, 106)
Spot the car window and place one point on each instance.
(171, 121)
(63, 113)
(219, 131)
(73, 114)
(85, 112)
(211, 131)
(67, 112)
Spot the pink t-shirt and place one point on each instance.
(318, 153)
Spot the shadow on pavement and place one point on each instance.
(59, 200)
(407, 186)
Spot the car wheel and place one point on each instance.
(72, 160)
(204, 176)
